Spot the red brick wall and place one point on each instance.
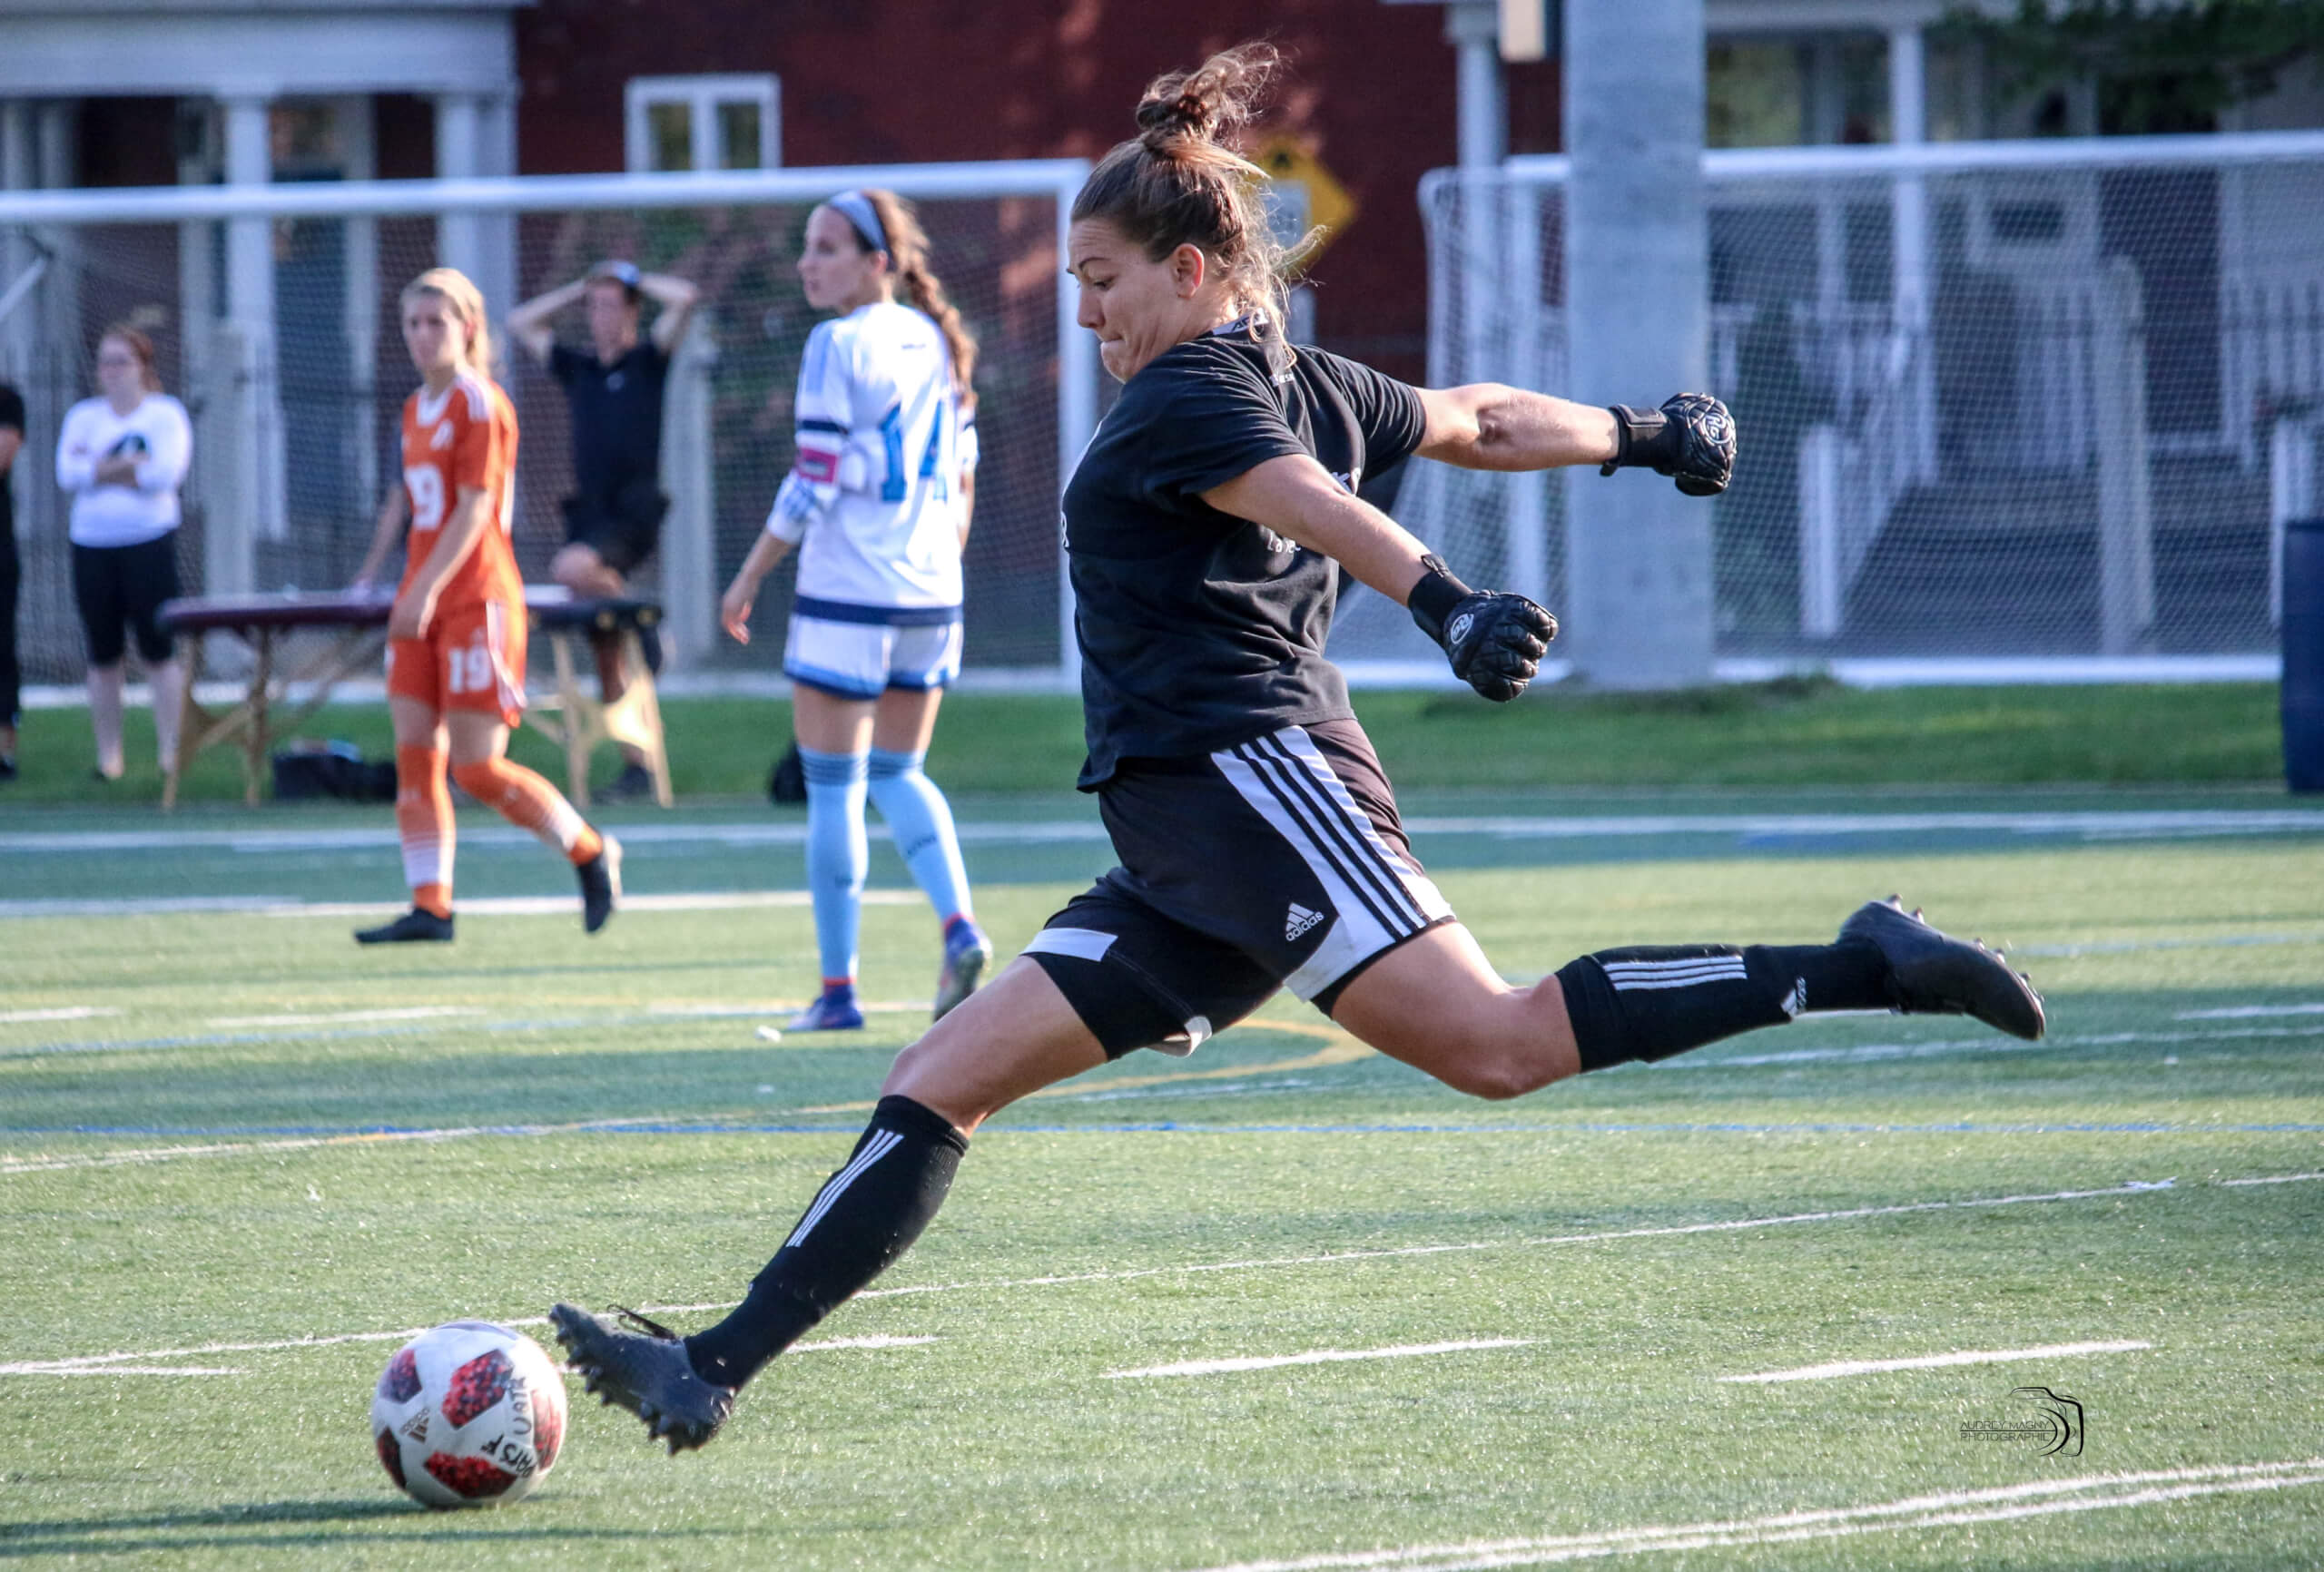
(908, 81)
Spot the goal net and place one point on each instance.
(2017, 401)
(274, 314)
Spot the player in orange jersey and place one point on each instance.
(456, 636)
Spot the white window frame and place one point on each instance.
(702, 95)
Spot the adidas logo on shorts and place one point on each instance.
(1299, 919)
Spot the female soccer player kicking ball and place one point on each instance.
(878, 504)
(456, 634)
(1259, 839)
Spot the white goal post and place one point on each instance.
(2009, 410)
(273, 308)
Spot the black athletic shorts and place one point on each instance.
(622, 528)
(120, 589)
(1278, 863)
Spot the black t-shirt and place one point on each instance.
(1199, 630)
(617, 417)
(12, 413)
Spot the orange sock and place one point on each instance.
(525, 800)
(424, 821)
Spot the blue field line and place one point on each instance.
(1186, 1127)
(1715, 1059)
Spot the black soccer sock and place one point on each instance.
(864, 1216)
(1652, 1001)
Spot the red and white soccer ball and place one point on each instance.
(468, 1414)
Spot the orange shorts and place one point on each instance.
(473, 658)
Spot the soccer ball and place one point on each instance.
(468, 1414)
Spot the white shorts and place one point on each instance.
(855, 652)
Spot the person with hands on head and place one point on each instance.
(1206, 524)
(614, 517)
(456, 631)
(122, 455)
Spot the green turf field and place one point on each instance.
(231, 1143)
(1790, 734)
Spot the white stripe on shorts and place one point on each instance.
(1379, 900)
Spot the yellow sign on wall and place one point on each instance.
(1303, 193)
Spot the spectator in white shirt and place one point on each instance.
(122, 455)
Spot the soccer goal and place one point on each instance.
(2008, 410)
(273, 312)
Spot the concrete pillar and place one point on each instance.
(1912, 273)
(358, 142)
(245, 500)
(1474, 29)
(2125, 486)
(17, 258)
(690, 586)
(496, 273)
(459, 135)
(1638, 320)
(16, 254)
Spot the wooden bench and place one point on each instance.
(354, 628)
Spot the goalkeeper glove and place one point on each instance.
(1691, 439)
(1495, 641)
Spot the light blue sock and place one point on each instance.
(921, 822)
(836, 855)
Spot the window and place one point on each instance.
(703, 122)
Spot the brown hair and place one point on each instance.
(140, 345)
(908, 254)
(455, 289)
(1176, 183)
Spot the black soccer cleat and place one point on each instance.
(647, 1372)
(414, 927)
(1931, 973)
(600, 885)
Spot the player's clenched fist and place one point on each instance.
(1691, 439)
(1494, 640)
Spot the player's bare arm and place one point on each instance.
(677, 299)
(1487, 425)
(387, 534)
(735, 606)
(967, 504)
(1298, 499)
(10, 441)
(528, 324)
(454, 543)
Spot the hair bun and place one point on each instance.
(1204, 104)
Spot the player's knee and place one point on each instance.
(479, 778)
(1497, 1077)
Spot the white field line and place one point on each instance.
(344, 1017)
(1201, 1366)
(124, 1369)
(2128, 1188)
(143, 1363)
(2271, 1179)
(2248, 1012)
(2004, 1503)
(1867, 1053)
(1850, 1367)
(62, 1013)
(480, 906)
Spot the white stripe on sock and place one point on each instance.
(1680, 963)
(882, 1142)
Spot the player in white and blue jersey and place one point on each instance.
(877, 505)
